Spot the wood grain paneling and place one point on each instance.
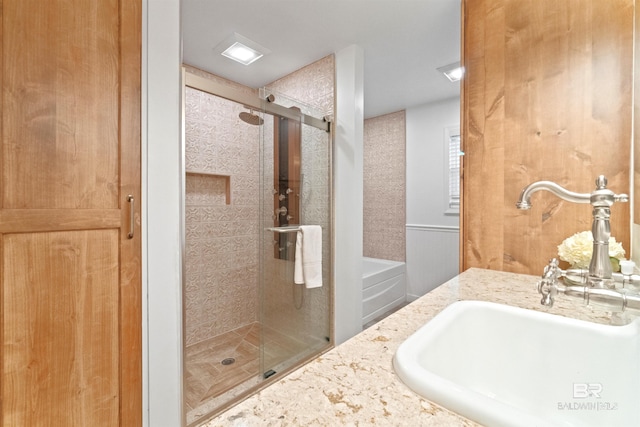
(546, 96)
(61, 328)
(129, 179)
(61, 104)
(70, 273)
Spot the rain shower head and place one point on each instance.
(251, 118)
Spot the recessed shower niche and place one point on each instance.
(246, 322)
(205, 189)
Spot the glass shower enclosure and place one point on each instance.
(257, 168)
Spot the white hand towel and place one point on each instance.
(308, 258)
(298, 277)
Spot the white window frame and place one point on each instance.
(452, 170)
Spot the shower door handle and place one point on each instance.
(132, 215)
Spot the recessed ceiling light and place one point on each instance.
(241, 49)
(453, 72)
(241, 53)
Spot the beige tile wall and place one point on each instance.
(313, 85)
(223, 241)
(384, 187)
(221, 291)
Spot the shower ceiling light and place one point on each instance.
(453, 72)
(241, 49)
(241, 53)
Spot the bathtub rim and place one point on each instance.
(386, 269)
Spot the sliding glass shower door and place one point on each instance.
(296, 184)
(257, 168)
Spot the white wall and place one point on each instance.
(161, 192)
(432, 236)
(348, 190)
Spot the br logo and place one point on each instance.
(585, 390)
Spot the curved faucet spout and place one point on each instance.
(524, 201)
(600, 274)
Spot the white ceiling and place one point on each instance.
(404, 41)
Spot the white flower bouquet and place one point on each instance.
(577, 250)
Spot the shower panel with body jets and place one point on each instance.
(257, 168)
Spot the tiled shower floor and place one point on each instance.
(205, 375)
(210, 384)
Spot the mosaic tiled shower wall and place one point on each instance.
(384, 187)
(222, 208)
(221, 154)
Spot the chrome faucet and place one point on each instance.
(599, 286)
(600, 273)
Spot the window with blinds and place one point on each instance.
(452, 141)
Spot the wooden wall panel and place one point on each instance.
(62, 105)
(60, 307)
(546, 96)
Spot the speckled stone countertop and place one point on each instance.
(354, 384)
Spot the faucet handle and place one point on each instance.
(548, 289)
(548, 286)
(604, 197)
(621, 197)
(547, 300)
(601, 182)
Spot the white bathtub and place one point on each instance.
(383, 287)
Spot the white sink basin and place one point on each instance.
(505, 366)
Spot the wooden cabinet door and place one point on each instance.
(70, 244)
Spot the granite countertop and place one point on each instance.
(355, 384)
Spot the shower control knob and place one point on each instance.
(289, 217)
(281, 197)
(281, 211)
